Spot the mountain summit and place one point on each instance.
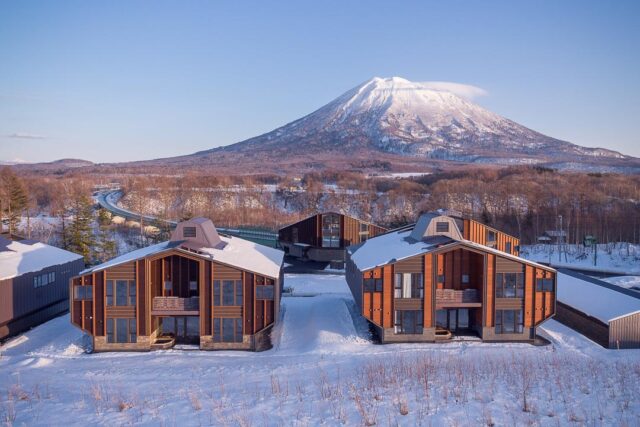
(428, 120)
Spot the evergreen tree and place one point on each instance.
(80, 237)
(13, 197)
(107, 248)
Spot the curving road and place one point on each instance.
(109, 201)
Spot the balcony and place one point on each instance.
(175, 306)
(455, 298)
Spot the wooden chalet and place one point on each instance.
(34, 282)
(199, 288)
(324, 236)
(447, 276)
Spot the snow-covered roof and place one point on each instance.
(397, 245)
(236, 252)
(598, 301)
(390, 247)
(18, 258)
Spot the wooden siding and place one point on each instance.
(529, 287)
(477, 232)
(489, 296)
(387, 292)
(429, 291)
(624, 332)
(410, 265)
(504, 265)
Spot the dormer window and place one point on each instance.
(442, 227)
(188, 232)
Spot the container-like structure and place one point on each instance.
(447, 276)
(202, 288)
(34, 283)
(604, 313)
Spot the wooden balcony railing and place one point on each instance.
(451, 296)
(176, 304)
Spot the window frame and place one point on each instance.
(408, 286)
(221, 334)
(189, 232)
(218, 293)
(330, 231)
(114, 326)
(408, 322)
(509, 325)
(111, 293)
(503, 279)
(442, 226)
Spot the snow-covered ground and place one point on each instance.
(623, 258)
(323, 370)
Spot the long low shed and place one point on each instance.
(604, 313)
(34, 283)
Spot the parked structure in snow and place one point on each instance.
(197, 288)
(34, 282)
(449, 275)
(324, 236)
(604, 313)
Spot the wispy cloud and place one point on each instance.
(24, 135)
(460, 89)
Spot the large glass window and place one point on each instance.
(121, 330)
(121, 292)
(509, 322)
(83, 293)
(227, 329)
(408, 321)
(510, 285)
(408, 285)
(227, 292)
(330, 231)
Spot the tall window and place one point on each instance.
(507, 247)
(330, 231)
(509, 322)
(227, 292)
(408, 285)
(491, 237)
(364, 232)
(510, 285)
(227, 329)
(121, 330)
(264, 288)
(121, 292)
(408, 321)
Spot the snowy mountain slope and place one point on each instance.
(398, 116)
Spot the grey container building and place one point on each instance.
(34, 283)
(605, 313)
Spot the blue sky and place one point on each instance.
(118, 81)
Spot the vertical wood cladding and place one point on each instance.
(543, 300)
(248, 292)
(624, 332)
(429, 291)
(477, 232)
(387, 291)
(142, 307)
(490, 289)
(529, 286)
(99, 304)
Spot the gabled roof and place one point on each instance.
(26, 256)
(236, 252)
(398, 245)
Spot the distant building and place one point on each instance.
(447, 275)
(324, 236)
(604, 313)
(218, 292)
(34, 283)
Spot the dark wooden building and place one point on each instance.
(198, 288)
(324, 236)
(34, 283)
(606, 314)
(438, 278)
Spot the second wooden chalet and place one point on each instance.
(198, 288)
(448, 276)
(324, 236)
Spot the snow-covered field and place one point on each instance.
(323, 370)
(623, 258)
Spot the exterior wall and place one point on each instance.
(258, 315)
(309, 232)
(452, 263)
(624, 332)
(588, 326)
(23, 306)
(477, 232)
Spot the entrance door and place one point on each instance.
(456, 320)
(185, 329)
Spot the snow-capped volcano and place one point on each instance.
(432, 120)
